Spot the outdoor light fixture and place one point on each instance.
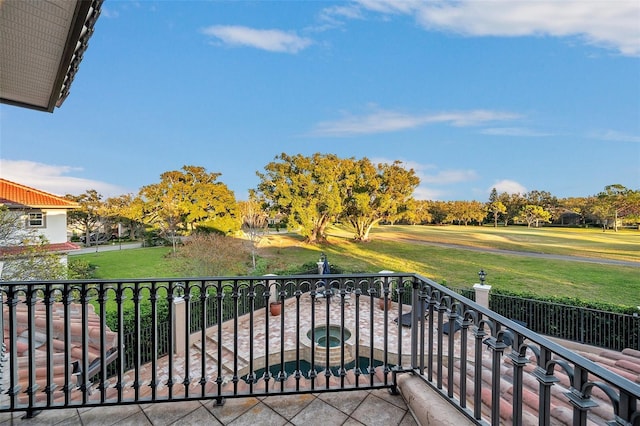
(482, 274)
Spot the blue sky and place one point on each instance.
(517, 95)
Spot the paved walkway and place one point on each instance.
(105, 247)
(376, 407)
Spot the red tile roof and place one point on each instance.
(89, 330)
(16, 195)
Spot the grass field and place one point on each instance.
(132, 263)
(407, 249)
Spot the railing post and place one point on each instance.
(3, 348)
(497, 346)
(546, 380)
(482, 294)
(179, 321)
(417, 311)
(272, 288)
(581, 402)
(479, 334)
(519, 363)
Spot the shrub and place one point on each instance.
(79, 269)
(571, 301)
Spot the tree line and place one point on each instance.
(308, 193)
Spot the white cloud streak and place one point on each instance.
(608, 24)
(53, 179)
(616, 136)
(269, 40)
(446, 177)
(513, 131)
(508, 186)
(425, 193)
(391, 121)
(431, 179)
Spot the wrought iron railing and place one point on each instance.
(67, 346)
(611, 330)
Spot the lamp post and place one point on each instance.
(482, 274)
(482, 290)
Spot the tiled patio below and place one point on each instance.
(376, 407)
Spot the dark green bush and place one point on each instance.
(571, 301)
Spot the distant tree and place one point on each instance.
(545, 200)
(513, 204)
(308, 190)
(160, 210)
(439, 211)
(581, 206)
(617, 201)
(495, 207)
(125, 212)
(464, 212)
(24, 253)
(417, 212)
(533, 215)
(633, 208)
(254, 222)
(376, 193)
(89, 214)
(12, 230)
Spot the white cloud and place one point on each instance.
(513, 131)
(615, 136)
(391, 6)
(425, 193)
(608, 24)
(508, 186)
(446, 177)
(333, 13)
(109, 13)
(53, 179)
(390, 121)
(270, 40)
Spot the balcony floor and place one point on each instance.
(336, 408)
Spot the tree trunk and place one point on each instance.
(368, 229)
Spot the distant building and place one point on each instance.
(39, 212)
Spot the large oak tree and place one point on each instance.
(317, 190)
(309, 190)
(187, 199)
(89, 215)
(376, 193)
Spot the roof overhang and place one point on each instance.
(42, 44)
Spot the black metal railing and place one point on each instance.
(80, 344)
(610, 330)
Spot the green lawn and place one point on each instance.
(590, 242)
(131, 263)
(401, 248)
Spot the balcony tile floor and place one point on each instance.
(352, 408)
